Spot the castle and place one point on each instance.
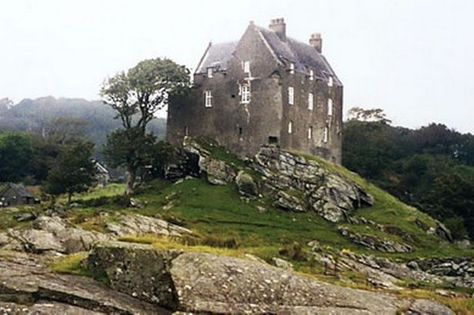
(266, 88)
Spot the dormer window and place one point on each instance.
(292, 68)
(330, 107)
(291, 95)
(310, 101)
(330, 81)
(245, 93)
(246, 67)
(311, 75)
(209, 72)
(208, 98)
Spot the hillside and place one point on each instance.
(39, 116)
(281, 208)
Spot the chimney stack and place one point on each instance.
(279, 27)
(316, 41)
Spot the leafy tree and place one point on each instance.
(74, 171)
(135, 96)
(15, 155)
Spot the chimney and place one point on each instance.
(279, 27)
(316, 41)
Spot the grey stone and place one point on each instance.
(246, 184)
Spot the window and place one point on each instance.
(311, 75)
(330, 81)
(208, 98)
(245, 93)
(292, 68)
(291, 95)
(290, 127)
(330, 107)
(326, 135)
(310, 133)
(246, 66)
(209, 72)
(310, 101)
(186, 131)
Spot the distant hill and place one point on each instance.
(37, 115)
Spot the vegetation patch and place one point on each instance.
(71, 264)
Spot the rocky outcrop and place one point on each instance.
(55, 235)
(141, 225)
(328, 194)
(375, 243)
(28, 287)
(217, 172)
(459, 271)
(204, 283)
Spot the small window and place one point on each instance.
(290, 127)
(310, 101)
(272, 140)
(186, 131)
(246, 66)
(245, 93)
(310, 133)
(291, 95)
(326, 135)
(330, 107)
(208, 98)
(311, 75)
(330, 81)
(292, 68)
(209, 72)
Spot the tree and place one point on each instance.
(74, 171)
(15, 156)
(368, 115)
(136, 95)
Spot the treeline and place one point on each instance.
(49, 116)
(431, 168)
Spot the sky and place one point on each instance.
(412, 58)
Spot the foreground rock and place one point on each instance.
(203, 283)
(27, 287)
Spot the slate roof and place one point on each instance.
(19, 189)
(217, 56)
(302, 55)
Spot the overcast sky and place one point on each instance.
(413, 58)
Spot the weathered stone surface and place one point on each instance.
(459, 271)
(135, 269)
(372, 242)
(27, 287)
(204, 283)
(281, 263)
(246, 184)
(140, 225)
(329, 195)
(217, 172)
(38, 241)
(288, 202)
(427, 307)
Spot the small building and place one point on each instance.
(102, 175)
(265, 88)
(14, 195)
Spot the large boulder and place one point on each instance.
(28, 287)
(201, 283)
(246, 184)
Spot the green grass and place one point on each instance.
(71, 264)
(110, 190)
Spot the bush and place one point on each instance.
(294, 251)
